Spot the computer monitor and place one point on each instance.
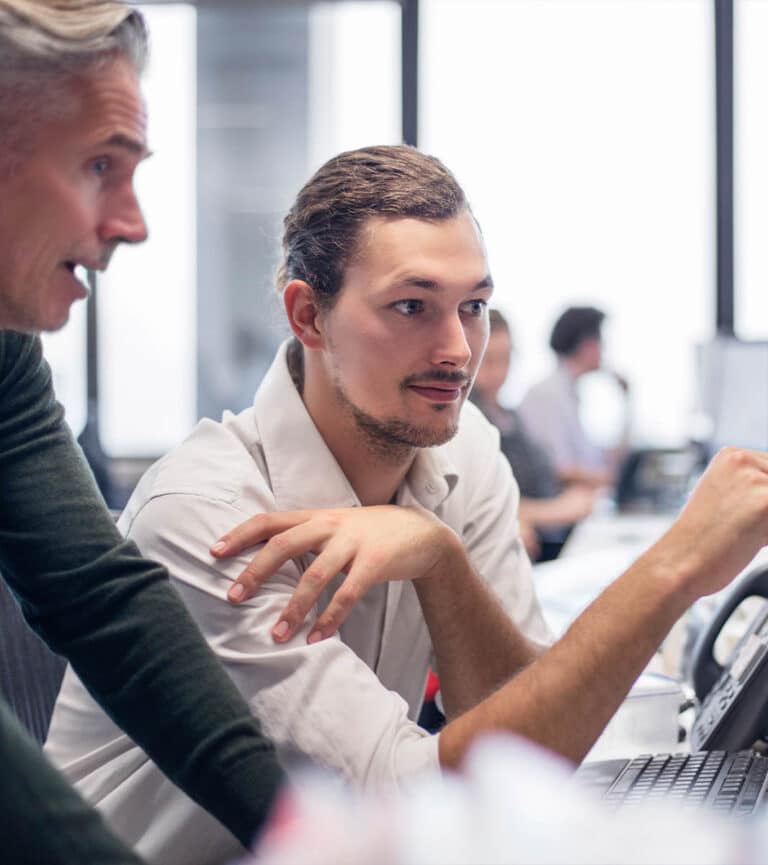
(733, 391)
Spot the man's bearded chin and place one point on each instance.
(392, 439)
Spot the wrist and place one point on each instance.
(672, 576)
(450, 555)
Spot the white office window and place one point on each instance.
(65, 352)
(751, 168)
(583, 133)
(354, 77)
(147, 298)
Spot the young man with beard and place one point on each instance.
(360, 407)
(385, 283)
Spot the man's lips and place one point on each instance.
(441, 392)
(78, 284)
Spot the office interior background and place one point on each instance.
(613, 151)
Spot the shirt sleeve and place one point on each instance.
(547, 417)
(44, 820)
(113, 614)
(550, 412)
(319, 700)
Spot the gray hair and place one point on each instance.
(44, 44)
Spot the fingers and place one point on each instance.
(255, 530)
(340, 606)
(289, 544)
(331, 562)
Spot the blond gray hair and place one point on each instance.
(44, 44)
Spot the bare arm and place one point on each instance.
(565, 698)
(573, 504)
(476, 645)
(595, 478)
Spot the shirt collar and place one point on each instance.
(566, 376)
(303, 472)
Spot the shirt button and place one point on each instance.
(430, 487)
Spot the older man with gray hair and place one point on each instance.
(72, 132)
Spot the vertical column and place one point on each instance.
(724, 150)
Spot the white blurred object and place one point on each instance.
(513, 803)
(646, 722)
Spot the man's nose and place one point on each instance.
(124, 221)
(451, 346)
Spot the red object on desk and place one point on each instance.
(432, 687)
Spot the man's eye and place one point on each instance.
(474, 307)
(101, 165)
(409, 307)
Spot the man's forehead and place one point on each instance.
(112, 111)
(405, 245)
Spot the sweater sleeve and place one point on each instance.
(92, 598)
(43, 818)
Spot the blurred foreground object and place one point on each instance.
(514, 803)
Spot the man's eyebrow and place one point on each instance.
(137, 148)
(431, 285)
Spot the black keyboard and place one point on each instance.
(730, 782)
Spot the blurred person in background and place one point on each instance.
(548, 509)
(72, 133)
(550, 409)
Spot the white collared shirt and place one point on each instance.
(550, 412)
(349, 702)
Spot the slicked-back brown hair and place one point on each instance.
(322, 229)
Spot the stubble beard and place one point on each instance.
(393, 440)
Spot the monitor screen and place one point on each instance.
(733, 391)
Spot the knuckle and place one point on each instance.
(295, 611)
(278, 545)
(734, 455)
(331, 520)
(376, 558)
(315, 576)
(248, 579)
(349, 594)
(329, 622)
(252, 526)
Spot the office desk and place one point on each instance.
(599, 549)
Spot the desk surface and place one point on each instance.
(599, 550)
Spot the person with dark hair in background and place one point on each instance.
(548, 510)
(550, 409)
(72, 133)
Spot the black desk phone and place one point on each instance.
(733, 711)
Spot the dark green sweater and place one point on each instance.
(92, 598)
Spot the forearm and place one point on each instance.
(564, 700)
(44, 819)
(557, 511)
(130, 639)
(114, 615)
(476, 645)
(540, 512)
(599, 477)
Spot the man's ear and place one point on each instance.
(303, 313)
